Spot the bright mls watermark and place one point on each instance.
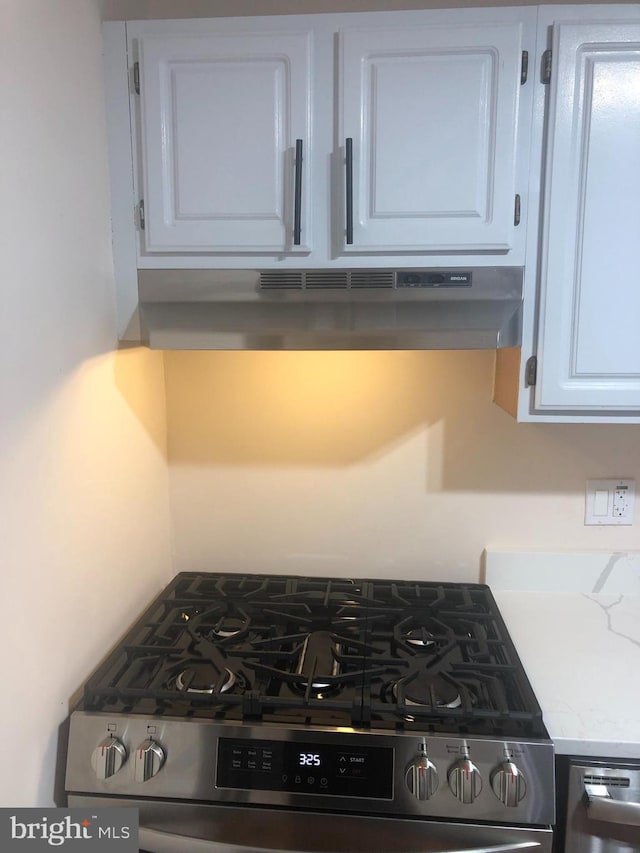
(104, 830)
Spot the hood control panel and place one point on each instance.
(433, 278)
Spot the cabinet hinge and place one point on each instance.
(524, 67)
(136, 77)
(531, 371)
(141, 214)
(546, 66)
(516, 211)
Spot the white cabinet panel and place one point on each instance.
(432, 112)
(589, 340)
(220, 120)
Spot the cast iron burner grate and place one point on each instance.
(430, 657)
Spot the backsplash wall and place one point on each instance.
(392, 463)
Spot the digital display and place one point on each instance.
(348, 770)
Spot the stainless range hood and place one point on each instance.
(332, 309)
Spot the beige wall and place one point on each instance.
(373, 463)
(84, 523)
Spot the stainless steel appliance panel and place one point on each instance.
(191, 770)
(603, 808)
(199, 828)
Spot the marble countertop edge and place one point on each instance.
(601, 749)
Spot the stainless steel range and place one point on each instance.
(253, 713)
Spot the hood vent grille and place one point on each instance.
(384, 278)
(277, 280)
(326, 279)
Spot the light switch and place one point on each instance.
(601, 502)
(609, 502)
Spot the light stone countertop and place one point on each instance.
(581, 653)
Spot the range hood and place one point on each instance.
(331, 309)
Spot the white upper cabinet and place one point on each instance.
(589, 324)
(225, 141)
(240, 127)
(428, 121)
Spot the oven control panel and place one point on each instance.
(310, 768)
(428, 776)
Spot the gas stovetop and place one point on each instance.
(397, 697)
(383, 654)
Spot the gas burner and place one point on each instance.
(319, 664)
(318, 690)
(203, 678)
(220, 622)
(229, 626)
(420, 638)
(428, 691)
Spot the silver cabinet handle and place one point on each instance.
(602, 806)
(156, 841)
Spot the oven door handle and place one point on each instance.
(602, 806)
(158, 841)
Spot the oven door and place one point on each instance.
(177, 827)
(603, 807)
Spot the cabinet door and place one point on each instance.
(220, 118)
(589, 330)
(432, 113)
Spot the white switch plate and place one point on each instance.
(610, 501)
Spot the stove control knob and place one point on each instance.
(108, 757)
(421, 778)
(465, 780)
(149, 758)
(508, 783)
